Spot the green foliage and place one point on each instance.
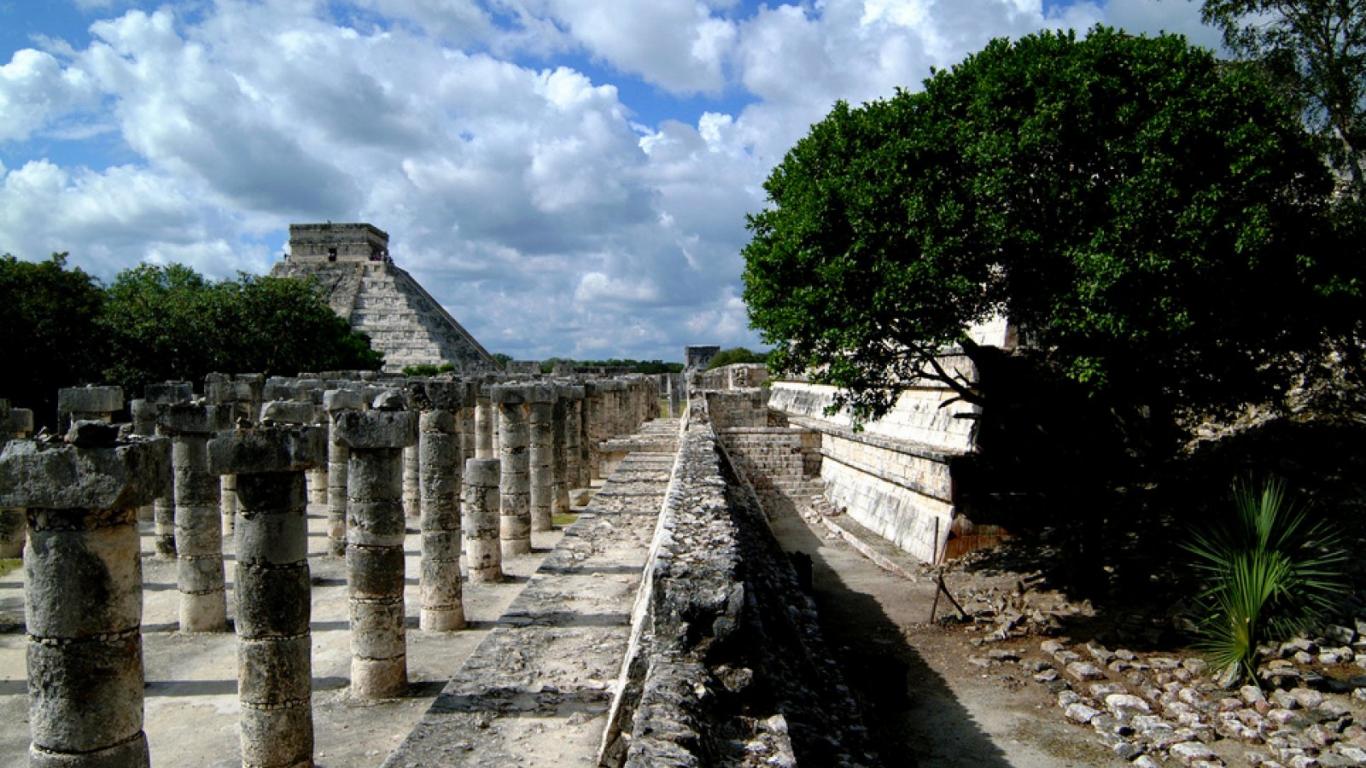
(736, 355)
(157, 323)
(171, 323)
(502, 360)
(1153, 219)
(1317, 50)
(48, 314)
(1268, 574)
(427, 369)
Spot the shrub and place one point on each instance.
(1269, 573)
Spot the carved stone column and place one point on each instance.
(83, 591)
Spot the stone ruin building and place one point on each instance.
(357, 568)
(362, 283)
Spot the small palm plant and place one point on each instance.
(1269, 574)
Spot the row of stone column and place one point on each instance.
(541, 443)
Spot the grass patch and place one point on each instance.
(10, 564)
(562, 520)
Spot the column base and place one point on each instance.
(379, 678)
(129, 754)
(442, 619)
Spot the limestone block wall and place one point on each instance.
(736, 376)
(773, 453)
(896, 476)
(919, 415)
(737, 407)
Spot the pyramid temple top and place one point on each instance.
(337, 242)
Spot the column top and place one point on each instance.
(89, 399)
(376, 429)
(272, 448)
(194, 419)
(96, 471)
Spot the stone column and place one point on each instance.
(198, 527)
(274, 645)
(541, 453)
(440, 469)
(144, 415)
(483, 425)
(88, 403)
(481, 516)
(15, 423)
(514, 484)
(335, 402)
(469, 393)
(374, 543)
(162, 396)
(83, 591)
(594, 404)
(559, 489)
(575, 469)
(412, 498)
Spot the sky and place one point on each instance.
(568, 177)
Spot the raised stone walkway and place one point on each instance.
(536, 691)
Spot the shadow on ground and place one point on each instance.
(910, 710)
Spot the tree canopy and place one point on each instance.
(48, 314)
(153, 323)
(169, 322)
(1152, 218)
(735, 355)
(1317, 50)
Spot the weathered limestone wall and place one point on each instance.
(738, 407)
(726, 659)
(736, 376)
(896, 477)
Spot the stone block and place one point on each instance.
(436, 394)
(508, 394)
(168, 392)
(268, 449)
(194, 419)
(89, 399)
(61, 476)
(335, 400)
(377, 429)
(290, 412)
(19, 421)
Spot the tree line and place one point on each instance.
(63, 327)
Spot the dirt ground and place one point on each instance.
(191, 680)
(927, 703)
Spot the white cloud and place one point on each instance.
(35, 88)
(678, 45)
(527, 196)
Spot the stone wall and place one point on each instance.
(726, 664)
(737, 407)
(736, 376)
(895, 476)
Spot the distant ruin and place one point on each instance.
(361, 283)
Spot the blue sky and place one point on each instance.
(569, 177)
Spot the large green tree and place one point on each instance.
(171, 323)
(1151, 217)
(48, 338)
(1317, 49)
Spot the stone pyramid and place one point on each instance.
(362, 284)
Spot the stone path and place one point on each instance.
(537, 689)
